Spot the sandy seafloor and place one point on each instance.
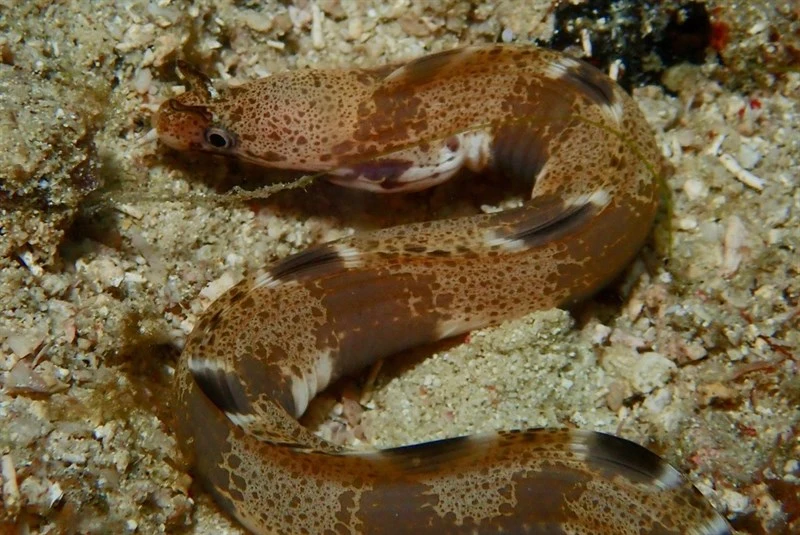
(693, 352)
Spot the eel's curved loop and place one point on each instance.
(265, 348)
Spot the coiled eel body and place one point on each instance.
(260, 353)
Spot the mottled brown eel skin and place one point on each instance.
(270, 344)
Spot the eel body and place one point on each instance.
(260, 353)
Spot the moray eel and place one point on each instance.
(266, 347)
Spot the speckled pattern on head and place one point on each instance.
(261, 352)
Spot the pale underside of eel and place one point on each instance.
(260, 353)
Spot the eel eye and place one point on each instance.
(219, 138)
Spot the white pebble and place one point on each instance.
(695, 189)
(748, 156)
(737, 502)
(142, 81)
(733, 245)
